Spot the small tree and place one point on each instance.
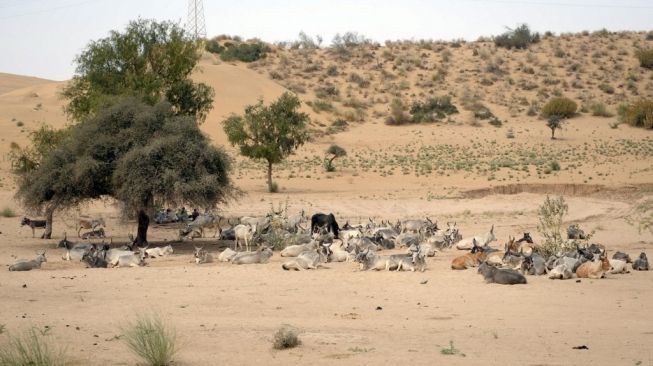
(554, 123)
(269, 132)
(551, 215)
(333, 152)
(25, 161)
(149, 60)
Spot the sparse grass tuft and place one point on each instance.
(451, 350)
(638, 114)
(286, 337)
(7, 212)
(274, 187)
(31, 349)
(151, 339)
(600, 110)
(645, 58)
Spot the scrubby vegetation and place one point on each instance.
(638, 114)
(645, 58)
(151, 339)
(433, 109)
(561, 107)
(398, 115)
(245, 52)
(520, 37)
(286, 337)
(31, 349)
(551, 215)
(334, 151)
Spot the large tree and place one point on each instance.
(269, 132)
(135, 153)
(149, 60)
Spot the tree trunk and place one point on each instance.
(330, 164)
(553, 131)
(269, 176)
(47, 234)
(143, 223)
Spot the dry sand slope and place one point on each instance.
(227, 314)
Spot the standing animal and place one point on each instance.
(201, 222)
(641, 263)
(260, 256)
(419, 226)
(244, 232)
(90, 224)
(159, 251)
(319, 220)
(33, 224)
(492, 274)
(94, 234)
(471, 259)
(483, 240)
(202, 256)
(28, 265)
(595, 269)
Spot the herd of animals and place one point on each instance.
(325, 241)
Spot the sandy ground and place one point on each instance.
(227, 314)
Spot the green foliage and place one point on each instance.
(349, 40)
(334, 151)
(606, 88)
(645, 58)
(398, 115)
(496, 122)
(551, 215)
(149, 60)
(555, 166)
(554, 122)
(135, 153)
(7, 212)
(151, 339)
(561, 107)
(286, 337)
(245, 52)
(600, 110)
(450, 351)
(319, 105)
(213, 46)
(43, 141)
(31, 349)
(433, 109)
(638, 114)
(520, 37)
(269, 132)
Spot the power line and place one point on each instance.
(571, 5)
(48, 10)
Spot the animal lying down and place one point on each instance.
(28, 265)
(492, 274)
(412, 261)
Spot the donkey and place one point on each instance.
(33, 224)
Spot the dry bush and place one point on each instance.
(559, 106)
(638, 114)
(31, 349)
(645, 58)
(149, 338)
(286, 337)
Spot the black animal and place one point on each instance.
(575, 232)
(526, 238)
(228, 234)
(622, 256)
(492, 274)
(641, 263)
(596, 248)
(95, 258)
(329, 221)
(33, 224)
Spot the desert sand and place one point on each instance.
(454, 170)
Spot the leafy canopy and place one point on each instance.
(135, 153)
(149, 60)
(269, 132)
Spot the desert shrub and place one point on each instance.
(349, 39)
(649, 36)
(7, 212)
(496, 122)
(354, 103)
(359, 80)
(245, 52)
(275, 75)
(398, 115)
(320, 105)
(520, 37)
(606, 88)
(31, 349)
(286, 337)
(149, 338)
(332, 70)
(642, 216)
(333, 152)
(305, 41)
(550, 216)
(432, 109)
(638, 114)
(20, 124)
(510, 133)
(338, 125)
(274, 187)
(327, 91)
(559, 106)
(645, 58)
(213, 46)
(600, 110)
(554, 165)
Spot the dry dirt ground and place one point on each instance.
(227, 314)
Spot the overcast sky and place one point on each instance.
(41, 37)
